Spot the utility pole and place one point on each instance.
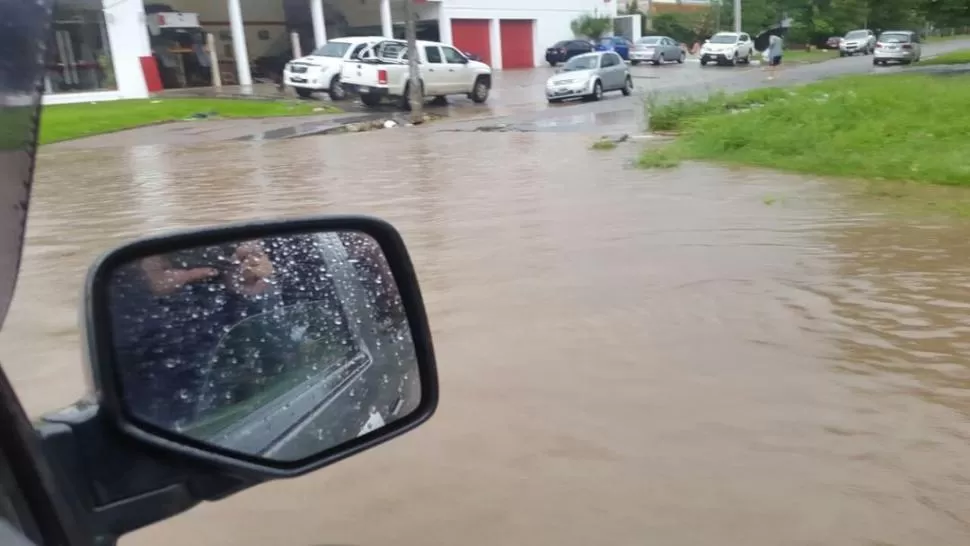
(737, 16)
(415, 96)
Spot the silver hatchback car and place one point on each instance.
(589, 76)
(901, 46)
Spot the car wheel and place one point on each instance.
(659, 60)
(683, 57)
(703, 61)
(303, 93)
(628, 87)
(876, 62)
(634, 63)
(479, 93)
(597, 91)
(552, 64)
(370, 100)
(337, 91)
(734, 59)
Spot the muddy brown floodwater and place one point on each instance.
(693, 357)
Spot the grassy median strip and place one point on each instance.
(908, 127)
(961, 56)
(69, 121)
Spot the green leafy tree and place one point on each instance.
(592, 26)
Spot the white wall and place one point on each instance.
(128, 39)
(552, 19)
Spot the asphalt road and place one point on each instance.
(522, 107)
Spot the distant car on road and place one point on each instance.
(833, 42)
(589, 76)
(727, 48)
(656, 50)
(562, 51)
(902, 46)
(619, 44)
(857, 41)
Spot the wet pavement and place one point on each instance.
(701, 356)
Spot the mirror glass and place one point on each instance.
(281, 347)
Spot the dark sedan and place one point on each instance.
(567, 49)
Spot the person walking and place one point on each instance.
(774, 54)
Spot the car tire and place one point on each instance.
(480, 91)
(370, 100)
(634, 63)
(658, 61)
(597, 91)
(747, 59)
(682, 58)
(303, 93)
(552, 64)
(876, 62)
(703, 61)
(627, 87)
(336, 90)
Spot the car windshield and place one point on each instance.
(894, 37)
(332, 49)
(856, 34)
(561, 44)
(724, 38)
(583, 62)
(649, 40)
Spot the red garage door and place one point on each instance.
(471, 35)
(517, 43)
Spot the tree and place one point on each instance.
(592, 26)
(415, 92)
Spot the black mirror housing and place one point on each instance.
(108, 364)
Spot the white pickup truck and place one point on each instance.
(381, 71)
(320, 71)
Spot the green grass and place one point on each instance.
(70, 121)
(937, 39)
(906, 127)
(800, 56)
(604, 144)
(961, 56)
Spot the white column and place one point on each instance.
(319, 23)
(386, 27)
(128, 40)
(495, 42)
(240, 52)
(444, 25)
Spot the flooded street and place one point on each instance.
(693, 357)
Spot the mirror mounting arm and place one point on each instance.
(119, 485)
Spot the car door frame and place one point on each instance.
(745, 39)
(52, 513)
(437, 80)
(613, 73)
(459, 73)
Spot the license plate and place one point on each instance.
(297, 79)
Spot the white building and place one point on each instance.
(103, 52)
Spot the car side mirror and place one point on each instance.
(270, 348)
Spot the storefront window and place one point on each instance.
(81, 56)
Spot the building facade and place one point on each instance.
(102, 50)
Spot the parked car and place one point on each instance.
(857, 41)
(320, 70)
(727, 48)
(833, 42)
(381, 71)
(656, 50)
(562, 51)
(902, 46)
(619, 44)
(589, 76)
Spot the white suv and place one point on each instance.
(727, 48)
(857, 41)
(320, 71)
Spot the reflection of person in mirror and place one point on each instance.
(173, 310)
